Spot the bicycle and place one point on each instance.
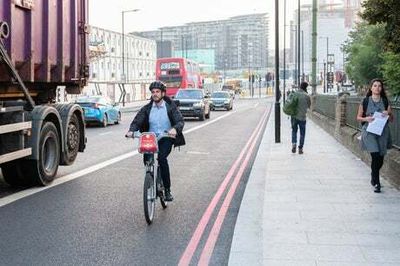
(153, 187)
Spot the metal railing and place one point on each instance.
(395, 126)
(326, 105)
(352, 104)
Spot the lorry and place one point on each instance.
(233, 86)
(43, 45)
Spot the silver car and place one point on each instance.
(221, 100)
(193, 103)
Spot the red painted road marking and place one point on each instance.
(216, 229)
(194, 241)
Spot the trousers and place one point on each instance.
(164, 149)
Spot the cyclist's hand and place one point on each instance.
(129, 134)
(172, 133)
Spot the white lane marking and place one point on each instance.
(63, 179)
(66, 178)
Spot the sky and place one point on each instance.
(154, 14)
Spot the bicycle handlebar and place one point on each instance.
(137, 134)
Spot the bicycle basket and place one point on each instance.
(148, 143)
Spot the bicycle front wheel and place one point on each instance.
(149, 200)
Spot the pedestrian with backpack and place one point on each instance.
(377, 145)
(298, 116)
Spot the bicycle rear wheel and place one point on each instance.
(148, 198)
(161, 192)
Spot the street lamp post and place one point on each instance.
(284, 51)
(302, 56)
(123, 41)
(327, 62)
(298, 41)
(277, 103)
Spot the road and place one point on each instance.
(93, 213)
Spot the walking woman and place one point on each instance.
(375, 101)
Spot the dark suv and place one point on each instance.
(193, 103)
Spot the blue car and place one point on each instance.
(99, 110)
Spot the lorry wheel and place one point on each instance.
(72, 141)
(12, 174)
(43, 171)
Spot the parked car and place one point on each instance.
(98, 109)
(221, 99)
(193, 103)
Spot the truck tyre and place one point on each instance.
(12, 174)
(72, 140)
(43, 171)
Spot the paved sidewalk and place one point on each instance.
(314, 209)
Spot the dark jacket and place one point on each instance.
(141, 120)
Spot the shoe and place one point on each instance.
(377, 188)
(294, 148)
(300, 150)
(168, 195)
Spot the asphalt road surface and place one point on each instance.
(92, 214)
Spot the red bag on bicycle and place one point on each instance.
(148, 143)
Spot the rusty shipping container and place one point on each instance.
(46, 41)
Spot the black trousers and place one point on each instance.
(164, 149)
(376, 165)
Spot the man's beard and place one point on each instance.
(156, 99)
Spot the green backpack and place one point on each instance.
(290, 106)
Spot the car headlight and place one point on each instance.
(226, 101)
(197, 105)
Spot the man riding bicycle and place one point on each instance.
(161, 115)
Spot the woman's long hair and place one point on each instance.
(383, 92)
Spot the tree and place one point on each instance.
(391, 72)
(386, 12)
(364, 53)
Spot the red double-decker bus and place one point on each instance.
(178, 73)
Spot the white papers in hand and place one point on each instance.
(378, 124)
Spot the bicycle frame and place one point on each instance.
(152, 171)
